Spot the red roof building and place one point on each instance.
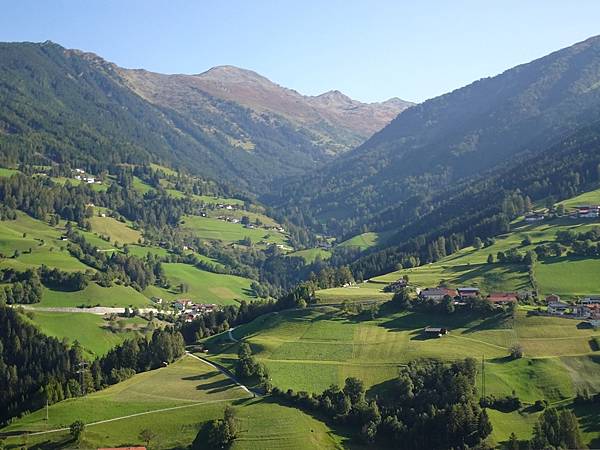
(502, 298)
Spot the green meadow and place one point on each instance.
(174, 402)
(359, 292)
(90, 330)
(310, 255)
(215, 229)
(116, 230)
(202, 286)
(25, 234)
(6, 172)
(568, 275)
(94, 295)
(326, 346)
(329, 345)
(587, 198)
(365, 241)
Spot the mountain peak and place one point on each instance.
(232, 74)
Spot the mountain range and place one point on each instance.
(491, 124)
(230, 124)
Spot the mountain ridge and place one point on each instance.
(335, 121)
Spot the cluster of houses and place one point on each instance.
(188, 309)
(587, 308)
(466, 293)
(588, 211)
(81, 176)
(581, 212)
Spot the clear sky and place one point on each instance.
(370, 50)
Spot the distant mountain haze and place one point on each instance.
(335, 121)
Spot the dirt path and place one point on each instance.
(100, 422)
(172, 408)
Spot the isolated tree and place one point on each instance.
(513, 442)
(147, 436)
(516, 351)
(477, 243)
(355, 389)
(490, 259)
(401, 298)
(76, 430)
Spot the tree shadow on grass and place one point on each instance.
(203, 376)
(216, 386)
(589, 420)
(381, 390)
(497, 322)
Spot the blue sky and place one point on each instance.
(370, 50)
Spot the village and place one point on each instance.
(586, 309)
(186, 308)
(580, 212)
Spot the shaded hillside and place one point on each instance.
(453, 137)
(59, 105)
(331, 121)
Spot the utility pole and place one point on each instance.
(81, 371)
(482, 376)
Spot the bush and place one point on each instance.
(516, 351)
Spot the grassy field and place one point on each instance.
(365, 241)
(141, 186)
(94, 294)
(26, 233)
(204, 287)
(330, 346)
(116, 230)
(214, 229)
(569, 276)
(239, 213)
(488, 277)
(326, 346)
(91, 330)
(5, 172)
(218, 200)
(309, 255)
(196, 393)
(359, 292)
(587, 198)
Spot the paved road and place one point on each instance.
(100, 310)
(227, 373)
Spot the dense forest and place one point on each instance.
(35, 368)
(448, 139)
(62, 106)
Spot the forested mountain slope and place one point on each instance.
(453, 137)
(60, 105)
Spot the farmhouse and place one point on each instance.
(588, 311)
(594, 300)
(502, 298)
(552, 298)
(437, 293)
(588, 211)
(468, 292)
(435, 331)
(534, 217)
(558, 308)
